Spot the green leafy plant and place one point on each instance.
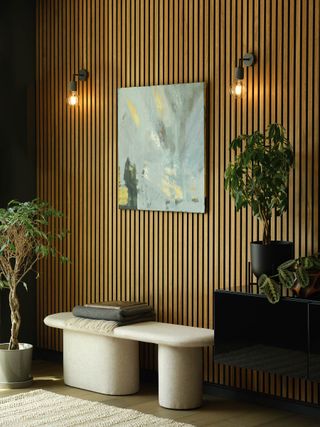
(258, 176)
(25, 238)
(301, 275)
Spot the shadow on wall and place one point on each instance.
(17, 109)
(17, 130)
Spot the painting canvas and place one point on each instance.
(161, 147)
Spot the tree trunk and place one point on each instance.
(15, 318)
(266, 231)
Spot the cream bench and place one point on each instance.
(99, 356)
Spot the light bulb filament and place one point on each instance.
(238, 89)
(73, 98)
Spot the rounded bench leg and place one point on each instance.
(100, 363)
(180, 377)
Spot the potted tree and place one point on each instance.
(258, 177)
(25, 238)
(300, 275)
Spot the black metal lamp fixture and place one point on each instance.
(238, 89)
(73, 98)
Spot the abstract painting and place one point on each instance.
(161, 147)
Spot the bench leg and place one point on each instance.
(180, 377)
(99, 363)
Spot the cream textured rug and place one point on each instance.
(43, 408)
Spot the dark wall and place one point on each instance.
(17, 130)
(17, 118)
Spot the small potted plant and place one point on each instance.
(25, 238)
(258, 177)
(301, 275)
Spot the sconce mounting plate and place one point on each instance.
(248, 59)
(83, 75)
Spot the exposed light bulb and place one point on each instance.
(238, 89)
(73, 98)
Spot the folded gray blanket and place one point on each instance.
(125, 306)
(120, 316)
(123, 311)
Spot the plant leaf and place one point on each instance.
(4, 284)
(3, 247)
(302, 277)
(287, 264)
(307, 262)
(316, 262)
(270, 288)
(286, 278)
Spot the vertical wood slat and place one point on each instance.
(173, 261)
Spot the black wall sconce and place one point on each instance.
(73, 98)
(238, 88)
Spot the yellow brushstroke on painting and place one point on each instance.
(123, 196)
(134, 113)
(158, 101)
(171, 189)
(178, 192)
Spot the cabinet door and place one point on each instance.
(314, 334)
(252, 333)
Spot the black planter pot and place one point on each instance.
(266, 258)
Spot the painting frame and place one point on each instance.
(162, 148)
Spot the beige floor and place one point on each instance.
(214, 412)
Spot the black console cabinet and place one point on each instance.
(252, 333)
(314, 341)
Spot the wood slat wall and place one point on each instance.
(172, 260)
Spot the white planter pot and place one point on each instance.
(15, 366)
